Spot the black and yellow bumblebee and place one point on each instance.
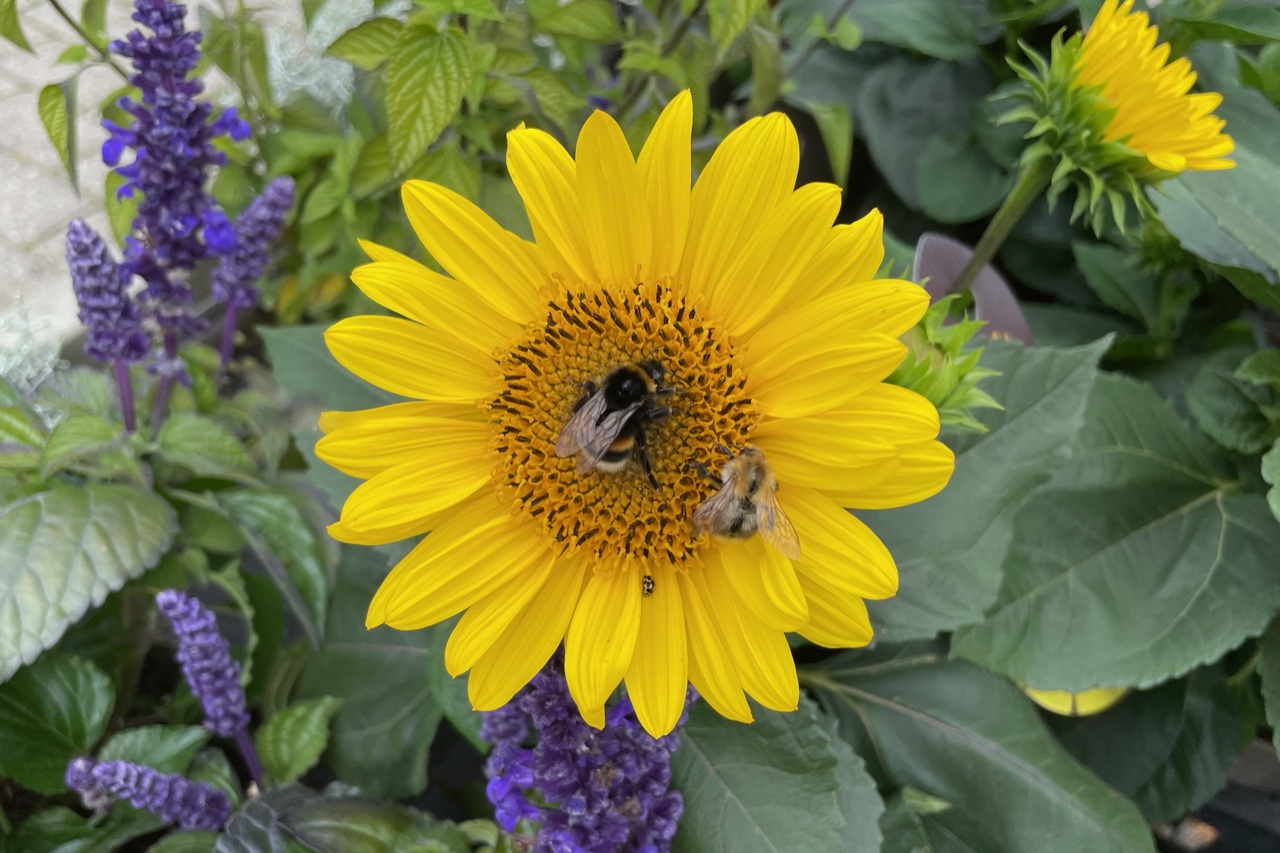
(607, 428)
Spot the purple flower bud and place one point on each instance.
(206, 661)
(607, 790)
(176, 799)
(257, 228)
(112, 319)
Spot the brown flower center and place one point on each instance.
(584, 337)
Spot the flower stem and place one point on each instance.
(228, 335)
(166, 384)
(124, 386)
(88, 39)
(250, 754)
(1033, 179)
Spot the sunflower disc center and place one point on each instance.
(585, 335)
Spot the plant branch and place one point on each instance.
(1033, 179)
(88, 39)
(807, 54)
(677, 35)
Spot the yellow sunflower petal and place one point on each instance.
(887, 413)
(602, 637)
(382, 253)
(611, 194)
(525, 647)
(386, 534)
(762, 579)
(774, 258)
(835, 621)
(923, 470)
(487, 619)
(474, 551)
(362, 418)
(817, 444)
(819, 373)
(749, 175)
(711, 667)
(659, 671)
(374, 445)
(886, 306)
(851, 255)
(414, 488)
(496, 264)
(546, 178)
(412, 290)
(837, 549)
(391, 354)
(666, 175)
(760, 653)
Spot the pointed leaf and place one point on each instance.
(205, 446)
(368, 45)
(10, 28)
(427, 76)
(57, 107)
(291, 741)
(168, 749)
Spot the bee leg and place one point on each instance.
(702, 469)
(641, 454)
(659, 413)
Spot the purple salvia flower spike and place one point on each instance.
(112, 319)
(608, 789)
(206, 661)
(176, 799)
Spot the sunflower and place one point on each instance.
(766, 319)
(1155, 114)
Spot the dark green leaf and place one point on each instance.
(730, 775)
(836, 129)
(62, 551)
(902, 828)
(205, 446)
(57, 107)
(168, 749)
(589, 20)
(368, 45)
(212, 767)
(291, 741)
(949, 548)
(1168, 749)
(1115, 276)
(427, 76)
(956, 179)
(1142, 526)
(46, 831)
(766, 73)
(381, 735)
(185, 842)
(1240, 21)
(10, 28)
(1269, 673)
(370, 826)
(729, 18)
(1261, 368)
(943, 29)
(273, 520)
(971, 739)
(259, 828)
(1271, 474)
(451, 693)
(1224, 408)
(51, 712)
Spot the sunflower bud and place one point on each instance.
(941, 367)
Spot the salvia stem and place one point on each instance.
(228, 335)
(124, 386)
(166, 383)
(250, 754)
(1032, 180)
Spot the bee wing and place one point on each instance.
(721, 502)
(775, 527)
(591, 430)
(573, 434)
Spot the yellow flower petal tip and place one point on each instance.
(1078, 704)
(545, 528)
(1154, 113)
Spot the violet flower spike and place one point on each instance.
(257, 228)
(176, 799)
(214, 676)
(608, 790)
(111, 317)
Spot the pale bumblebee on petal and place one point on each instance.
(746, 504)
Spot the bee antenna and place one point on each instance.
(726, 450)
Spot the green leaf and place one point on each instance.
(973, 740)
(10, 28)
(956, 179)
(57, 108)
(589, 20)
(368, 45)
(1261, 368)
(1269, 674)
(1168, 749)
(451, 693)
(185, 842)
(62, 551)
(950, 547)
(290, 743)
(902, 828)
(258, 827)
(1227, 409)
(120, 211)
(373, 172)
(1271, 474)
(76, 438)
(1142, 526)
(292, 546)
(168, 749)
(1114, 275)
(383, 731)
(205, 446)
(48, 830)
(212, 767)
(371, 826)
(836, 129)
(93, 16)
(730, 775)
(943, 29)
(427, 76)
(22, 437)
(729, 18)
(1240, 21)
(766, 72)
(51, 712)
(553, 95)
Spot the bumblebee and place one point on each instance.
(607, 428)
(747, 503)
